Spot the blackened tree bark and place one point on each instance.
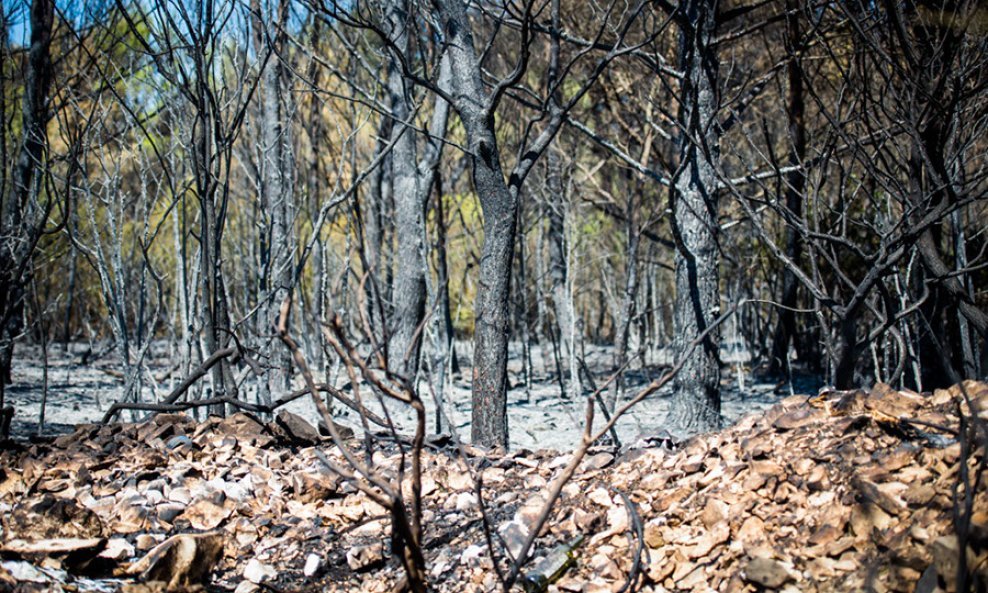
(489, 426)
(21, 216)
(696, 400)
(795, 185)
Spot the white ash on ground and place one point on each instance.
(81, 391)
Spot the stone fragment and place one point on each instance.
(714, 513)
(600, 496)
(53, 547)
(129, 516)
(767, 572)
(180, 495)
(313, 563)
(179, 443)
(22, 572)
(297, 429)
(751, 530)
(316, 484)
(168, 511)
(362, 558)
(472, 554)
(459, 481)
(867, 517)
(51, 518)
(465, 501)
(598, 461)
(181, 561)
(798, 418)
(258, 572)
(708, 540)
(118, 549)
(880, 495)
(206, 515)
(145, 541)
(246, 586)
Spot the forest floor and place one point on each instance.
(860, 490)
(538, 416)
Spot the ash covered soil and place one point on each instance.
(842, 491)
(81, 390)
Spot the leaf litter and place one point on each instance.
(838, 492)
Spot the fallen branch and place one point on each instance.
(179, 391)
(636, 537)
(337, 395)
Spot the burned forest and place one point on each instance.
(559, 296)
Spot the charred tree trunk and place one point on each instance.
(489, 426)
(19, 227)
(795, 182)
(696, 399)
(846, 359)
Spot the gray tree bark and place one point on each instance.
(562, 295)
(412, 182)
(629, 298)
(409, 289)
(372, 221)
(276, 199)
(696, 399)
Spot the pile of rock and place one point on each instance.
(847, 491)
(851, 490)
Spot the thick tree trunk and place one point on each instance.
(696, 400)
(489, 425)
(490, 359)
(409, 293)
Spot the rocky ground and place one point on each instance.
(842, 491)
